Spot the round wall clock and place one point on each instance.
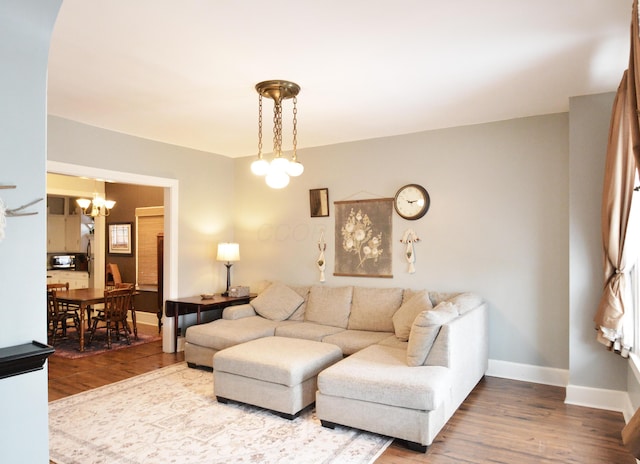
(412, 201)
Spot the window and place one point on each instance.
(149, 223)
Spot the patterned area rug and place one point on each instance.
(69, 347)
(171, 416)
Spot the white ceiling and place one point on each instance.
(183, 71)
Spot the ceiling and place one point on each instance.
(183, 72)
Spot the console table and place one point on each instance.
(196, 305)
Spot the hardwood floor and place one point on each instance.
(71, 376)
(502, 421)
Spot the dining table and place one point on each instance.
(83, 298)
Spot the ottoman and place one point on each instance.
(276, 373)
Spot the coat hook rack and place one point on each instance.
(14, 212)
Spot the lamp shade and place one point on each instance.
(228, 252)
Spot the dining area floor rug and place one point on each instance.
(171, 415)
(68, 347)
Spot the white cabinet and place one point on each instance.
(76, 279)
(64, 228)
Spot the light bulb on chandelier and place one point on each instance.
(279, 170)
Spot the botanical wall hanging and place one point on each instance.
(363, 238)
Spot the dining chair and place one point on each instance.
(59, 314)
(113, 316)
(133, 306)
(113, 276)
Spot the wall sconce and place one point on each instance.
(228, 252)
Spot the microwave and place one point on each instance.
(63, 262)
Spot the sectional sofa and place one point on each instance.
(410, 357)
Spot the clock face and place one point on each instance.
(412, 201)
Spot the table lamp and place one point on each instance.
(228, 252)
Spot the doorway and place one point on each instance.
(170, 280)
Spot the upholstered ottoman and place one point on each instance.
(276, 373)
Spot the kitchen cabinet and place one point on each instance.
(64, 225)
(76, 279)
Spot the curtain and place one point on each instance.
(623, 151)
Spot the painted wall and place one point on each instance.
(589, 129)
(25, 30)
(498, 223)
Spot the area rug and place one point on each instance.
(171, 416)
(69, 347)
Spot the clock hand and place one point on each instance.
(411, 201)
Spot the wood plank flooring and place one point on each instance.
(502, 421)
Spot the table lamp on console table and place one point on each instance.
(228, 252)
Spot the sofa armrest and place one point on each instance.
(238, 311)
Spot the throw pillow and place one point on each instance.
(425, 329)
(329, 306)
(277, 302)
(373, 308)
(403, 318)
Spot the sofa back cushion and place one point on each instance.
(298, 314)
(403, 318)
(329, 306)
(277, 302)
(425, 329)
(373, 308)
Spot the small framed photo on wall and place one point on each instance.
(319, 202)
(120, 239)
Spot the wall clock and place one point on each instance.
(412, 201)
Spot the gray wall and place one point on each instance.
(590, 364)
(25, 30)
(498, 223)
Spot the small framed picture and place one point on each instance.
(319, 202)
(120, 239)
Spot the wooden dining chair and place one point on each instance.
(59, 315)
(113, 316)
(132, 309)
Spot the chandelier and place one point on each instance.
(98, 206)
(278, 171)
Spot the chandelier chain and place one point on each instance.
(259, 126)
(295, 127)
(277, 127)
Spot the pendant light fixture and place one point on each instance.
(278, 171)
(98, 206)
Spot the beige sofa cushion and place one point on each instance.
(425, 329)
(403, 318)
(373, 308)
(277, 302)
(379, 374)
(224, 333)
(465, 302)
(298, 314)
(329, 306)
(352, 341)
(307, 330)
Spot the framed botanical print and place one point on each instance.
(363, 231)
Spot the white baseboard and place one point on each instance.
(528, 373)
(612, 400)
(599, 398)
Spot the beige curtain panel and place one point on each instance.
(620, 172)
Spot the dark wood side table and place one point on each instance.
(196, 305)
